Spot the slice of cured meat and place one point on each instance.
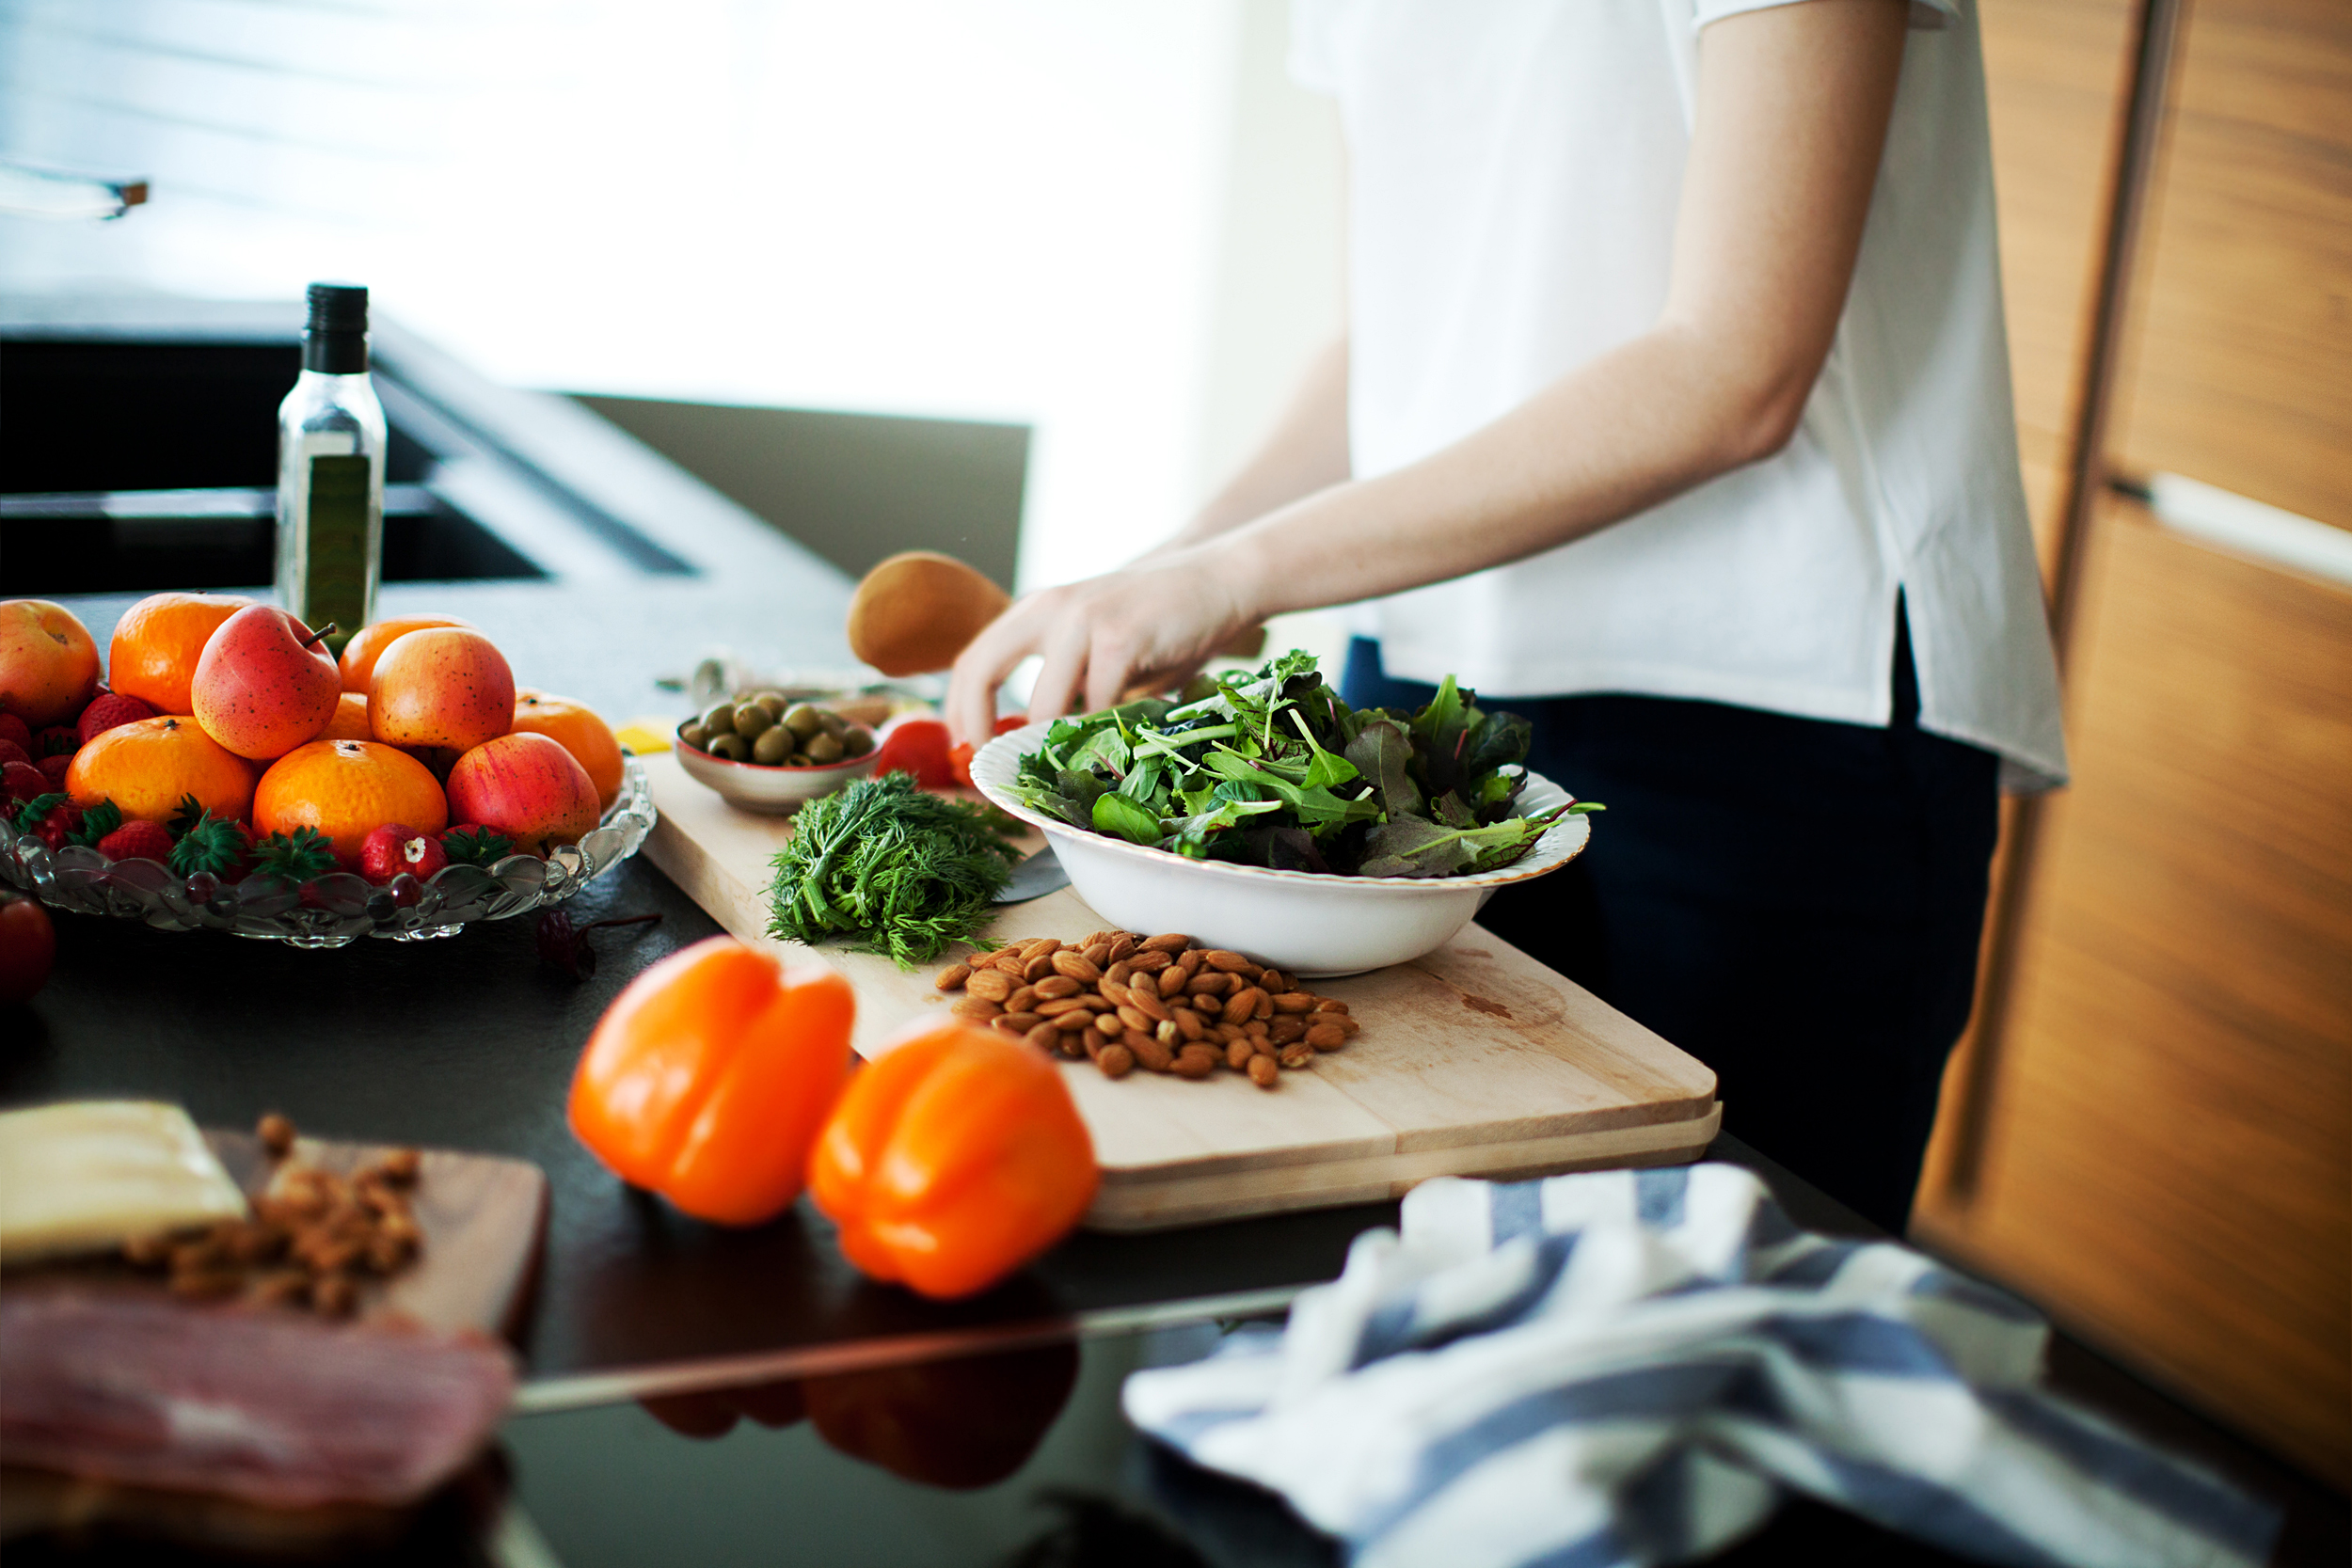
(271, 1407)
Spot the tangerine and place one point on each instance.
(157, 642)
(351, 719)
(346, 789)
(575, 728)
(368, 643)
(145, 768)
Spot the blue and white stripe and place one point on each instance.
(1632, 1367)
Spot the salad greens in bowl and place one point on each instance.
(1259, 812)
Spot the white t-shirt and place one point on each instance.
(1515, 168)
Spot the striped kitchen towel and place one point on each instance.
(1631, 1367)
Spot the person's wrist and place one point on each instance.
(1240, 564)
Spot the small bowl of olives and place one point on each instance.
(765, 753)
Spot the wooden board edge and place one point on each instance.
(1141, 1204)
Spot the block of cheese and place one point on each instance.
(85, 1176)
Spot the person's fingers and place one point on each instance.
(1065, 665)
(982, 667)
(1108, 660)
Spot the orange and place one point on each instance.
(368, 643)
(346, 789)
(145, 768)
(351, 719)
(48, 664)
(579, 731)
(157, 642)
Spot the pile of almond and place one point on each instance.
(1125, 1000)
(312, 1235)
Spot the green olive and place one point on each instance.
(721, 719)
(774, 702)
(772, 747)
(732, 747)
(834, 725)
(802, 720)
(696, 735)
(823, 749)
(752, 720)
(798, 759)
(857, 740)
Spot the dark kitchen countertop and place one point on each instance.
(468, 1043)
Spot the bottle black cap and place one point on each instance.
(336, 340)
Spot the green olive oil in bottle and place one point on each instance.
(330, 470)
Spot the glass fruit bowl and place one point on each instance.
(338, 908)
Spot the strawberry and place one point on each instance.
(472, 844)
(107, 712)
(15, 729)
(11, 751)
(96, 822)
(140, 841)
(50, 818)
(297, 856)
(206, 844)
(57, 740)
(393, 849)
(22, 780)
(54, 767)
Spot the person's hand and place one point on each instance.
(1157, 621)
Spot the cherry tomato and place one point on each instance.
(28, 945)
(917, 745)
(960, 758)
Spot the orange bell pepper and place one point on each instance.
(954, 1158)
(708, 1077)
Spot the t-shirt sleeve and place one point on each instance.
(1313, 63)
(1925, 14)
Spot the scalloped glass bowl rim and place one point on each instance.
(520, 883)
(998, 764)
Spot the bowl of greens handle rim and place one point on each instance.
(1308, 922)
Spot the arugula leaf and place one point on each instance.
(1121, 817)
(1381, 751)
(1273, 767)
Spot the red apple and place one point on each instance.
(264, 684)
(526, 786)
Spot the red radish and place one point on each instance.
(393, 849)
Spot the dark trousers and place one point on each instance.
(1795, 902)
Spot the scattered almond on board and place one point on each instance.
(1125, 1000)
(310, 1239)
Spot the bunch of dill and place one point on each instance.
(903, 871)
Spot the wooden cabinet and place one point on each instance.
(2168, 1154)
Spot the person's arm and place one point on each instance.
(1304, 453)
(1792, 106)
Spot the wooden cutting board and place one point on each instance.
(1473, 1061)
(480, 1215)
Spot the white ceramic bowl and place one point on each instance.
(1303, 921)
(770, 791)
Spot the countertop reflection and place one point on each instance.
(1017, 1458)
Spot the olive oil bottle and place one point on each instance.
(330, 470)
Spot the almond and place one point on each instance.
(953, 976)
(1078, 966)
